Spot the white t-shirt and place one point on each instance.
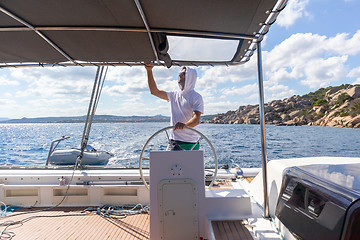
(183, 104)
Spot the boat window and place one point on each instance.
(297, 198)
(201, 49)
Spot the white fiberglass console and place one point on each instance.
(176, 187)
(180, 206)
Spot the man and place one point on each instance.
(186, 107)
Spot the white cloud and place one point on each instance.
(295, 50)
(132, 81)
(355, 73)
(137, 107)
(310, 59)
(221, 106)
(124, 90)
(6, 102)
(283, 74)
(322, 72)
(294, 10)
(43, 102)
(6, 82)
(344, 44)
(245, 90)
(275, 91)
(55, 82)
(54, 91)
(208, 95)
(212, 76)
(55, 73)
(316, 60)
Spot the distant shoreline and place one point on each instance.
(98, 119)
(332, 106)
(14, 122)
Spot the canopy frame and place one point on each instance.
(254, 38)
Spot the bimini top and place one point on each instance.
(129, 32)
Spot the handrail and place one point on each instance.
(263, 135)
(52, 148)
(143, 17)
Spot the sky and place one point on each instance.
(313, 44)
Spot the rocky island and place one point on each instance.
(332, 106)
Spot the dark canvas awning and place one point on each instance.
(125, 32)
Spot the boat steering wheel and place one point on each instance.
(202, 136)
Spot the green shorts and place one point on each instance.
(189, 146)
(183, 145)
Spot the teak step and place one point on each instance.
(231, 230)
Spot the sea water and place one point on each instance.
(27, 145)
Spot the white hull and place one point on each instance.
(42, 188)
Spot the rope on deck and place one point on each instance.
(120, 212)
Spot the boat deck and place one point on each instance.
(70, 223)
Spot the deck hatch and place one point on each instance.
(178, 209)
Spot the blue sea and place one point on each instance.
(27, 145)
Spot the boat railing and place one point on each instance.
(53, 146)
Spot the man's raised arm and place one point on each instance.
(152, 84)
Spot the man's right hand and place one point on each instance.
(179, 125)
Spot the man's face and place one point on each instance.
(181, 79)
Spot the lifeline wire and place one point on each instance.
(95, 96)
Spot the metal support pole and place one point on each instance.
(262, 127)
(138, 5)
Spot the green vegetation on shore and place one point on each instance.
(331, 106)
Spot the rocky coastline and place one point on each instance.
(332, 106)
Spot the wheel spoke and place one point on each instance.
(167, 135)
(196, 143)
